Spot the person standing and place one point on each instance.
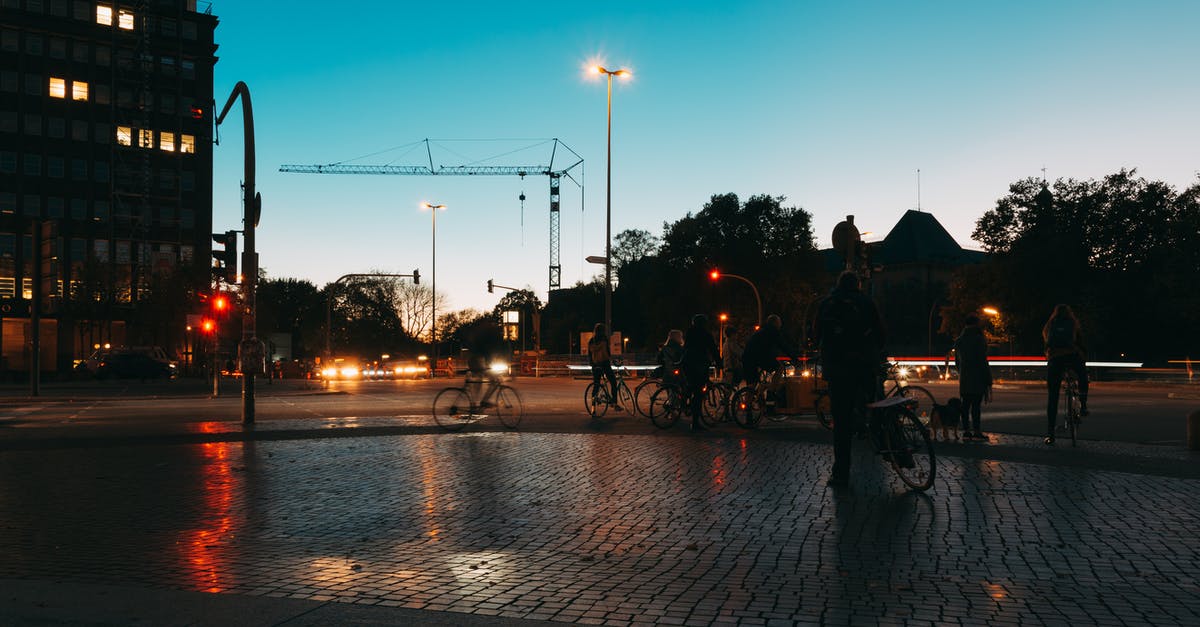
(699, 352)
(600, 358)
(974, 377)
(731, 361)
(851, 336)
(1064, 349)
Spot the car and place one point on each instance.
(130, 364)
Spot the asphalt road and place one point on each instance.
(1146, 413)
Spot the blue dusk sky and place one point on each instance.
(834, 105)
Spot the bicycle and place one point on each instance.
(715, 406)
(921, 396)
(902, 441)
(643, 392)
(456, 407)
(597, 400)
(751, 403)
(1072, 419)
(669, 401)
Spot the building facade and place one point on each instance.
(105, 173)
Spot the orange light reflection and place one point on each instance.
(201, 549)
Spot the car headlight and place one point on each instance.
(499, 367)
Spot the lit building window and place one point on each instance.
(79, 90)
(104, 15)
(58, 88)
(125, 20)
(187, 143)
(124, 136)
(145, 138)
(166, 141)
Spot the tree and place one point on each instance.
(1121, 250)
(632, 245)
(295, 307)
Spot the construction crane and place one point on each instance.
(555, 175)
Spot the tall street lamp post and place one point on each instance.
(433, 209)
(608, 205)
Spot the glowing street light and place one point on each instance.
(991, 311)
(433, 209)
(608, 202)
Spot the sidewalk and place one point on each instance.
(663, 528)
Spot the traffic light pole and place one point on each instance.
(252, 351)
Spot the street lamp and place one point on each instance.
(608, 203)
(717, 274)
(433, 209)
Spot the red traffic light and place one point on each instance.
(220, 303)
(207, 325)
(714, 275)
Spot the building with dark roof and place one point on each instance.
(910, 274)
(105, 171)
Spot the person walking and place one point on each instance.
(851, 337)
(601, 361)
(1064, 349)
(699, 352)
(974, 377)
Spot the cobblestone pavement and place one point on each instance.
(607, 529)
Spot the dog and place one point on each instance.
(945, 418)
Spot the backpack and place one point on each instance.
(845, 328)
(1062, 333)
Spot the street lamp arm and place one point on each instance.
(757, 300)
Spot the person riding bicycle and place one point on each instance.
(764, 348)
(485, 345)
(1064, 350)
(669, 355)
(600, 358)
(699, 352)
(851, 337)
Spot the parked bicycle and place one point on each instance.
(480, 396)
(597, 399)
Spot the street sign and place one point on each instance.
(596, 259)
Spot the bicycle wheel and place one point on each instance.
(665, 407)
(595, 400)
(452, 409)
(823, 409)
(747, 408)
(625, 397)
(908, 448)
(924, 399)
(715, 406)
(1072, 411)
(642, 394)
(509, 408)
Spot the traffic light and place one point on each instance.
(491, 287)
(208, 326)
(225, 265)
(714, 275)
(220, 304)
(416, 277)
